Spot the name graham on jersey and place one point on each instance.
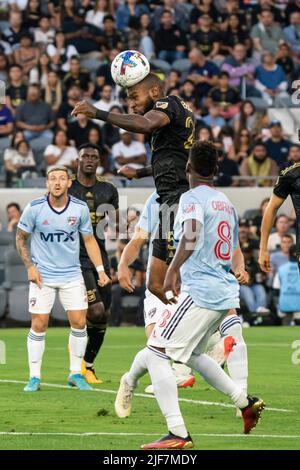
(151, 459)
(222, 206)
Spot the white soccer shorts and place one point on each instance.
(72, 296)
(185, 329)
(153, 308)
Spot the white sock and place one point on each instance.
(181, 369)
(35, 348)
(237, 361)
(215, 376)
(77, 346)
(165, 390)
(138, 368)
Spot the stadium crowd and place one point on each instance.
(230, 60)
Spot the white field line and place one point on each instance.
(144, 395)
(121, 434)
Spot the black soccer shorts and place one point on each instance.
(95, 293)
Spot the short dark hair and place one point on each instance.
(289, 236)
(13, 204)
(260, 143)
(108, 17)
(151, 80)
(87, 145)
(223, 74)
(293, 253)
(204, 158)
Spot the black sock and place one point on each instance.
(95, 340)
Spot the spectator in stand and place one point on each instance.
(170, 42)
(270, 79)
(44, 34)
(79, 77)
(6, 126)
(259, 165)
(257, 220)
(239, 69)
(6, 49)
(294, 154)
(228, 169)
(3, 67)
(242, 146)
(254, 293)
(213, 119)
(249, 118)
(246, 238)
(206, 38)
(277, 146)
(27, 55)
(32, 14)
(36, 119)
(266, 34)
(173, 80)
(292, 32)
(95, 16)
(128, 14)
(64, 117)
(145, 42)
(205, 133)
(187, 90)
(287, 281)
(202, 72)
(110, 132)
(129, 152)
(234, 34)
(60, 152)
(280, 257)
(14, 32)
(284, 59)
(61, 54)
(111, 38)
(103, 75)
(21, 164)
(78, 130)
(13, 212)
(52, 92)
(202, 7)
(106, 102)
(228, 98)
(282, 226)
(179, 13)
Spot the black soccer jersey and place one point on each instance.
(288, 183)
(171, 145)
(102, 193)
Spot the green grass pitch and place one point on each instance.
(58, 418)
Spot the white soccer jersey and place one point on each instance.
(55, 237)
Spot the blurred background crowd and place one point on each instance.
(236, 62)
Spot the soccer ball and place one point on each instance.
(129, 68)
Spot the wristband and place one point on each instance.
(102, 115)
(100, 268)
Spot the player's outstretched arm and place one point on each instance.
(129, 255)
(266, 227)
(186, 248)
(94, 254)
(133, 173)
(130, 122)
(23, 250)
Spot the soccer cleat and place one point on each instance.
(91, 377)
(78, 381)
(170, 442)
(33, 385)
(123, 402)
(251, 414)
(181, 381)
(221, 350)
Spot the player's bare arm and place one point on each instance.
(185, 249)
(129, 255)
(132, 173)
(130, 122)
(94, 254)
(238, 266)
(23, 250)
(266, 227)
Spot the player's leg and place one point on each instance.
(99, 300)
(41, 301)
(74, 300)
(237, 361)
